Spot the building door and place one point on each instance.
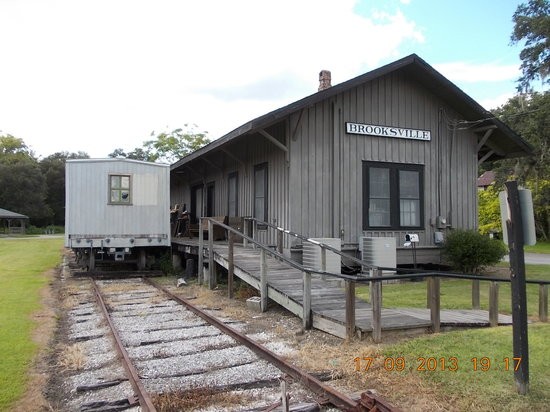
(210, 199)
(232, 194)
(260, 192)
(196, 203)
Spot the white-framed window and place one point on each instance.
(120, 189)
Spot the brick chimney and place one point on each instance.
(324, 80)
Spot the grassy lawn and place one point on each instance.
(22, 263)
(457, 294)
(492, 389)
(540, 247)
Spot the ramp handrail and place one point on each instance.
(375, 278)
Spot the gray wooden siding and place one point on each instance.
(251, 151)
(326, 193)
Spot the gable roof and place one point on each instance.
(7, 214)
(502, 142)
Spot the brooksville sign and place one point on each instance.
(387, 131)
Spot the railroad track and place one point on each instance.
(170, 349)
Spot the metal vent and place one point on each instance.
(312, 255)
(379, 251)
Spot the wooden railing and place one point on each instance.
(374, 278)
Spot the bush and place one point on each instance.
(470, 252)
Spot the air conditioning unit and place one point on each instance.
(312, 255)
(379, 251)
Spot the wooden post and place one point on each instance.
(201, 255)
(493, 304)
(254, 230)
(230, 264)
(350, 309)
(263, 280)
(519, 294)
(475, 294)
(246, 231)
(211, 270)
(284, 396)
(428, 292)
(324, 262)
(280, 241)
(434, 282)
(543, 303)
(376, 304)
(306, 317)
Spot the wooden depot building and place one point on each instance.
(392, 152)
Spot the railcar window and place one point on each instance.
(120, 190)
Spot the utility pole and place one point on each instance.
(516, 241)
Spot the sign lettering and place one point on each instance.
(388, 131)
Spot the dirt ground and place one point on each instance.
(314, 351)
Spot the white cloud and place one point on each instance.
(484, 72)
(96, 75)
(494, 102)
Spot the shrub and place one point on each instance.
(470, 252)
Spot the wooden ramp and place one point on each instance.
(328, 296)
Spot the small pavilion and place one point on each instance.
(11, 222)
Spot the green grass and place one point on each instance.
(22, 263)
(540, 247)
(467, 389)
(457, 294)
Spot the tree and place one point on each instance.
(13, 149)
(532, 24)
(53, 169)
(22, 183)
(168, 146)
(172, 146)
(529, 116)
(489, 211)
(137, 154)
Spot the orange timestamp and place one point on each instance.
(432, 364)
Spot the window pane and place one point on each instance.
(409, 198)
(115, 182)
(259, 179)
(379, 180)
(379, 212)
(115, 196)
(125, 182)
(259, 208)
(409, 184)
(379, 197)
(410, 212)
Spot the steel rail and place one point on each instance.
(338, 399)
(144, 399)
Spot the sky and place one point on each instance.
(93, 76)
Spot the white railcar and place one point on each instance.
(117, 210)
